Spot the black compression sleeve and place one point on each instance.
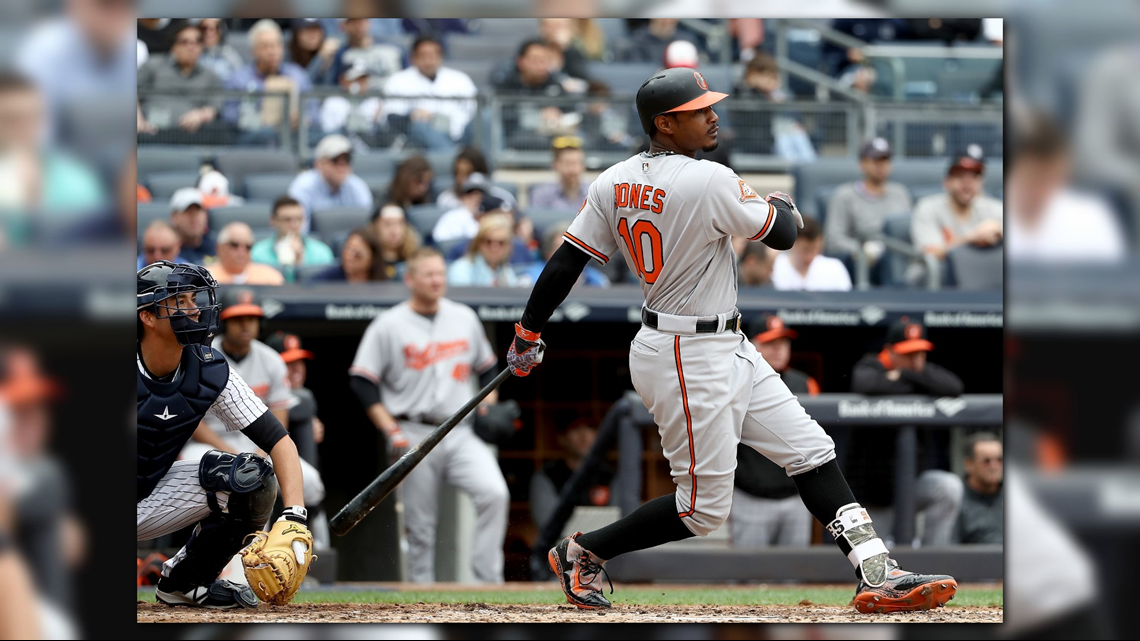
(553, 285)
(265, 431)
(784, 228)
(486, 377)
(366, 390)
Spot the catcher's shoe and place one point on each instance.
(579, 571)
(905, 591)
(219, 595)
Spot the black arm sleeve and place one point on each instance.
(784, 228)
(367, 391)
(265, 431)
(553, 285)
(935, 380)
(486, 377)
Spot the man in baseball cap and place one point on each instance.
(188, 217)
(901, 367)
(306, 429)
(962, 214)
(857, 209)
(330, 183)
(774, 340)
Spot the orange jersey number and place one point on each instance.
(634, 238)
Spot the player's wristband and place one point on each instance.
(295, 513)
(526, 334)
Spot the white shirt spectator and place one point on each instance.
(1074, 227)
(341, 114)
(824, 274)
(457, 223)
(442, 96)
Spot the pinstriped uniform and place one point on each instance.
(709, 391)
(179, 500)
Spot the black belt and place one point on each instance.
(423, 420)
(703, 326)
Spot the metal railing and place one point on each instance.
(514, 131)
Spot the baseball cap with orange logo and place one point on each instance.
(768, 328)
(906, 337)
(289, 346)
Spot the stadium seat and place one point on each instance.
(305, 273)
(509, 186)
(377, 162)
(717, 77)
(976, 268)
(336, 241)
(267, 186)
(236, 164)
(623, 78)
(158, 158)
(442, 163)
(919, 172)
(328, 222)
(810, 177)
(482, 47)
(919, 192)
(424, 217)
(544, 218)
(163, 184)
(478, 70)
(894, 271)
(378, 184)
(254, 214)
(150, 212)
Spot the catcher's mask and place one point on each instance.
(162, 287)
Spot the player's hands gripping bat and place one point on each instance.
(277, 561)
(779, 195)
(526, 351)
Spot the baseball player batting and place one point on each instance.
(181, 379)
(672, 217)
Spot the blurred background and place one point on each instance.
(932, 89)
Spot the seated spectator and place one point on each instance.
(860, 78)
(468, 161)
(1043, 207)
(487, 261)
(350, 113)
(359, 260)
(901, 368)
(755, 267)
(570, 191)
(764, 131)
(215, 189)
(463, 221)
(605, 123)
(803, 267)
(234, 266)
(188, 217)
(159, 242)
(439, 103)
(192, 103)
(560, 35)
(396, 239)
(412, 183)
(575, 439)
(766, 506)
(330, 183)
(981, 519)
(217, 56)
(530, 125)
(290, 248)
(259, 118)
(551, 241)
(159, 34)
(857, 209)
(648, 43)
(382, 60)
(312, 51)
(961, 215)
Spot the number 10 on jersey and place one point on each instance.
(643, 240)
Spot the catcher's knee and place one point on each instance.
(708, 510)
(249, 480)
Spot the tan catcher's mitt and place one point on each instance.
(277, 561)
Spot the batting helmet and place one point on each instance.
(669, 90)
(158, 285)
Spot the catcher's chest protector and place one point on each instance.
(168, 413)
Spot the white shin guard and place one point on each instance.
(868, 553)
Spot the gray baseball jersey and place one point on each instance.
(264, 372)
(672, 218)
(423, 365)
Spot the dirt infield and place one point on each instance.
(484, 613)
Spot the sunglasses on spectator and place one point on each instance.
(157, 250)
(343, 159)
(567, 142)
(496, 241)
(236, 245)
(188, 41)
(990, 459)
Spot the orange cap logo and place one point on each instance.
(292, 342)
(913, 332)
(245, 297)
(775, 322)
(700, 81)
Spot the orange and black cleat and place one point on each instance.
(579, 571)
(905, 592)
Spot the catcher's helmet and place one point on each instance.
(677, 89)
(158, 286)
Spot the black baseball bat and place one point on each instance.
(378, 490)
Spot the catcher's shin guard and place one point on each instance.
(216, 539)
